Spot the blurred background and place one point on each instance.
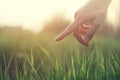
(29, 27)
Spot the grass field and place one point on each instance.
(64, 60)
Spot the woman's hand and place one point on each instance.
(87, 20)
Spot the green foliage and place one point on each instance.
(25, 56)
(65, 60)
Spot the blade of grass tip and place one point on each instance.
(42, 61)
(1, 73)
(16, 72)
(57, 66)
(28, 59)
(90, 63)
(25, 75)
(83, 67)
(9, 63)
(73, 67)
(31, 62)
(113, 69)
(111, 63)
(31, 55)
(4, 60)
(44, 50)
(22, 77)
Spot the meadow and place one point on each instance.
(27, 56)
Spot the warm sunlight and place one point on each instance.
(43, 40)
(32, 13)
(113, 13)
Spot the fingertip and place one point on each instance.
(59, 37)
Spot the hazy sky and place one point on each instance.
(32, 13)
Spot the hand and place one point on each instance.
(88, 16)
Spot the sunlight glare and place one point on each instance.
(113, 14)
(32, 13)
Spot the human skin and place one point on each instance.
(92, 14)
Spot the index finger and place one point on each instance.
(69, 29)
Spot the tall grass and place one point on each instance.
(65, 60)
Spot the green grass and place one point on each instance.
(65, 60)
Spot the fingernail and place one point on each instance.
(57, 38)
